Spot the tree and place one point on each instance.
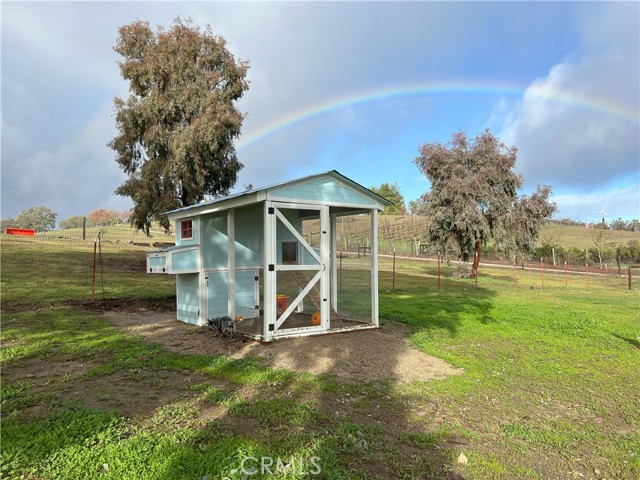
(75, 221)
(601, 237)
(391, 192)
(177, 128)
(8, 222)
(40, 219)
(418, 206)
(474, 197)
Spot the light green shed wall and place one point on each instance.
(214, 241)
(158, 262)
(186, 260)
(196, 232)
(322, 189)
(188, 298)
(249, 231)
(217, 294)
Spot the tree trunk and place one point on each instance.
(476, 260)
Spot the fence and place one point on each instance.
(397, 272)
(51, 268)
(54, 268)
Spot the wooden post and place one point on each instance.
(393, 277)
(340, 283)
(515, 283)
(438, 270)
(565, 273)
(606, 275)
(84, 228)
(542, 272)
(477, 267)
(588, 283)
(93, 284)
(629, 276)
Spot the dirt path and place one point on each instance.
(383, 354)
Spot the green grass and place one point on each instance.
(550, 389)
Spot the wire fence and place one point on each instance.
(50, 268)
(109, 264)
(397, 272)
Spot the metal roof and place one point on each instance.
(254, 191)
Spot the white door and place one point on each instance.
(301, 269)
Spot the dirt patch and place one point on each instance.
(383, 354)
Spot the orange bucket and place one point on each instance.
(315, 319)
(282, 302)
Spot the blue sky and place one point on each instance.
(356, 87)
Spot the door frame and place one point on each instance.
(323, 268)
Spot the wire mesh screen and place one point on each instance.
(61, 267)
(353, 270)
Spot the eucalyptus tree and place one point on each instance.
(474, 197)
(177, 128)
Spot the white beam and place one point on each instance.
(374, 267)
(231, 263)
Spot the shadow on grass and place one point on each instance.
(424, 307)
(90, 400)
(630, 341)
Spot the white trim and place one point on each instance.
(299, 237)
(334, 264)
(325, 311)
(231, 263)
(202, 285)
(374, 268)
(293, 305)
(269, 280)
(317, 203)
(248, 199)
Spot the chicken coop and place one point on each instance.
(277, 259)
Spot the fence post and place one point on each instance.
(476, 256)
(629, 275)
(606, 275)
(393, 277)
(84, 228)
(515, 283)
(438, 270)
(588, 284)
(340, 282)
(93, 284)
(565, 273)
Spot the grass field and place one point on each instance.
(550, 389)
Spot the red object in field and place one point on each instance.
(25, 232)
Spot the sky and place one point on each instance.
(358, 87)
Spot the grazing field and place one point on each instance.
(550, 389)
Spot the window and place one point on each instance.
(289, 252)
(186, 230)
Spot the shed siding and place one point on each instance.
(188, 298)
(160, 261)
(249, 233)
(196, 231)
(214, 241)
(217, 292)
(246, 300)
(184, 261)
(323, 189)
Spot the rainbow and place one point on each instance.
(337, 104)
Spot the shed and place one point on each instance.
(270, 257)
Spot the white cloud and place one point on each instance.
(575, 126)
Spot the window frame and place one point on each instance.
(183, 229)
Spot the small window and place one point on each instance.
(289, 252)
(186, 230)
